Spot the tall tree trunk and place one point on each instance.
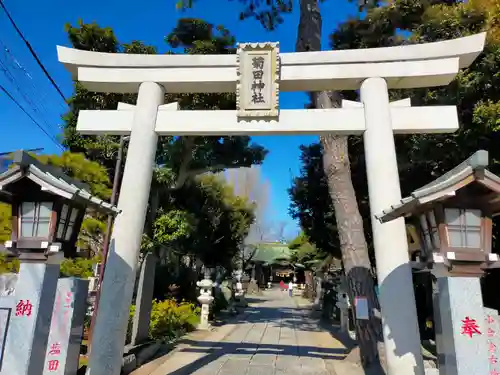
(349, 222)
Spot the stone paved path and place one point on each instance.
(274, 337)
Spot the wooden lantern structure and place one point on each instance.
(452, 216)
(48, 208)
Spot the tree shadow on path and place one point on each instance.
(244, 353)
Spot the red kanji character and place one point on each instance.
(53, 365)
(494, 372)
(493, 360)
(24, 308)
(55, 349)
(490, 319)
(491, 333)
(491, 347)
(470, 327)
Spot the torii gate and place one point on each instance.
(257, 73)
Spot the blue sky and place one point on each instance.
(43, 22)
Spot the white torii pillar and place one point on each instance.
(372, 71)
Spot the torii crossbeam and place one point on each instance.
(348, 120)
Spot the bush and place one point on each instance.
(169, 319)
(78, 267)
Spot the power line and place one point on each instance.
(31, 117)
(33, 53)
(10, 69)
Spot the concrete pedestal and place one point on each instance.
(461, 328)
(111, 323)
(29, 325)
(397, 300)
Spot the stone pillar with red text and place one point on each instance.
(461, 327)
(66, 329)
(28, 328)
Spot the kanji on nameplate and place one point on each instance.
(258, 70)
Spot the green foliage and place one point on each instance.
(78, 267)
(174, 228)
(298, 241)
(205, 219)
(269, 13)
(77, 166)
(8, 266)
(170, 319)
(304, 251)
(91, 37)
(310, 201)
(5, 222)
(91, 234)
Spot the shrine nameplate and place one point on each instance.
(257, 88)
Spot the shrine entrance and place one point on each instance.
(257, 73)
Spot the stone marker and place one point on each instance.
(461, 329)
(30, 319)
(493, 336)
(66, 329)
(7, 287)
(5, 313)
(144, 298)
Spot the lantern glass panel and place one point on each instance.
(62, 221)
(426, 233)
(71, 224)
(66, 222)
(431, 218)
(35, 219)
(464, 227)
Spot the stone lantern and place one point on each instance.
(453, 219)
(205, 298)
(48, 208)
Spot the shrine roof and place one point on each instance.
(471, 170)
(52, 180)
(271, 253)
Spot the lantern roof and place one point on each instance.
(472, 170)
(51, 180)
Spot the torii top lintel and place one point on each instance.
(409, 66)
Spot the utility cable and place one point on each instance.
(33, 53)
(17, 66)
(26, 96)
(9, 95)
